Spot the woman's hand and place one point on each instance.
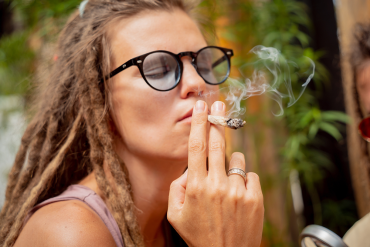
(208, 208)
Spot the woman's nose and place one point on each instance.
(191, 82)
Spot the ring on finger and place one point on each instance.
(237, 171)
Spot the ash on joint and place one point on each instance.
(235, 123)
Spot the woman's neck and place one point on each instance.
(150, 183)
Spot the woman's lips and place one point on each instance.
(187, 116)
(186, 120)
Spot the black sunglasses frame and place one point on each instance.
(139, 61)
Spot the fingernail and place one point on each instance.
(200, 106)
(218, 106)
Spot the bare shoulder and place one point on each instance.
(65, 223)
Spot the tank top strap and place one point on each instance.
(89, 197)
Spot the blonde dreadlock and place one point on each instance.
(69, 135)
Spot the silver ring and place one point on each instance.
(237, 171)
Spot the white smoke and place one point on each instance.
(270, 73)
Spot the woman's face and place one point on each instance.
(152, 124)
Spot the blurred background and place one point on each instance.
(313, 166)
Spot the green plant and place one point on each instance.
(40, 21)
(275, 23)
(279, 24)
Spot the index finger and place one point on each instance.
(197, 142)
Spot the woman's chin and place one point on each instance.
(177, 157)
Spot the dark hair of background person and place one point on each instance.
(360, 53)
(69, 136)
(361, 48)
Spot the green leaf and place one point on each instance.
(303, 38)
(331, 130)
(305, 120)
(313, 130)
(336, 116)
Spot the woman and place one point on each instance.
(123, 141)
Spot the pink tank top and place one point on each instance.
(89, 197)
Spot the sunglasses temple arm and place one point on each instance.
(119, 69)
(220, 60)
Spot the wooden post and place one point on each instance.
(349, 13)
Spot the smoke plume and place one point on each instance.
(269, 73)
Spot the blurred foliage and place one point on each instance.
(339, 214)
(16, 64)
(280, 24)
(37, 23)
(243, 23)
(34, 12)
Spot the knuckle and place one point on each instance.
(217, 194)
(254, 198)
(194, 191)
(251, 200)
(196, 146)
(237, 163)
(237, 160)
(238, 155)
(236, 195)
(254, 176)
(173, 185)
(199, 118)
(192, 194)
(216, 146)
(255, 204)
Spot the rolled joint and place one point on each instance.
(232, 123)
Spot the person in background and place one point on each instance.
(360, 61)
(358, 235)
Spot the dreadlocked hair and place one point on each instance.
(69, 137)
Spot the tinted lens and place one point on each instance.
(213, 65)
(364, 128)
(161, 70)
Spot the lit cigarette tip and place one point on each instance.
(232, 123)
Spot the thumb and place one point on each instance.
(177, 193)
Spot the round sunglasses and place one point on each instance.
(162, 70)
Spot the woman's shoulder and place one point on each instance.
(65, 223)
